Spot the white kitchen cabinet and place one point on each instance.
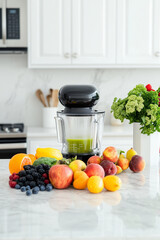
(49, 32)
(138, 32)
(71, 33)
(93, 31)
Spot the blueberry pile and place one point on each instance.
(32, 179)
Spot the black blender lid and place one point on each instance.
(78, 99)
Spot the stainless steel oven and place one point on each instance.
(13, 25)
(13, 140)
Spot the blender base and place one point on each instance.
(83, 157)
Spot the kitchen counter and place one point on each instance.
(133, 212)
(124, 130)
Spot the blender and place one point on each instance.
(79, 127)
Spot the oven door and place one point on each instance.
(13, 23)
(11, 146)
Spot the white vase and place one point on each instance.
(146, 146)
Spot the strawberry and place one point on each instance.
(148, 87)
(159, 94)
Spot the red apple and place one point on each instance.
(110, 153)
(94, 159)
(61, 176)
(94, 169)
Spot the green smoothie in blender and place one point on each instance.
(79, 145)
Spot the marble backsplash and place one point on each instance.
(18, 102)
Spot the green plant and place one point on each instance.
(141, 106)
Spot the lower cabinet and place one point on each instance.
(41, 142)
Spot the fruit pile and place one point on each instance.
(32, 179)
(52, 170)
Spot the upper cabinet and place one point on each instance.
(93, 33)
(138, 32)
(71, 32)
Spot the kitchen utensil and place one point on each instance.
(48, 99)
(40, 96)
(79, 127)
(55, 97)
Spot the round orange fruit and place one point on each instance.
(112, 183)
(95, 184)
(80, 180)
(18, 161)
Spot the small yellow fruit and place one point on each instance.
(80, 180)
(130, 153)
(77, 165)
(119, 169)
(95, 184)
(112, 183)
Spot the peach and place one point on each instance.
(123, 163)
(94, 159)
(110, 153)
(61, 176)
(77, 165)
(94, 169)
(109, 167)
(119, 169)
(137, 163)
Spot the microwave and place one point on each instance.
(13, 26)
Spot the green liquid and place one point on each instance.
(79, 145)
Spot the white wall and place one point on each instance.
(18, 84)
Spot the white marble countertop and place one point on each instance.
(133, 212)
(124, 130)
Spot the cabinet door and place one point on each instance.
(93, 31)
(138, 39)
(49, 32)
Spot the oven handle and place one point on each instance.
(4, 22)
(13, 145)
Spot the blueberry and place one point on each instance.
(22, 173)
(41, 171)
(28, 187)
(29, 177)
(20, 184)
(46, 167)
(27, 183)
(35, 191)
(32, 184)
(22, 179)
(49, 187)
(17, 186)
(23, 189)
(28, 172)
(28, 192)
(39, 182)
(27, 167)
(35, 175)
(42, 188)
(37, 188)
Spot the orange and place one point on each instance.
(32, 157)
(112, 183)
(18, 161)
(80, 180)
(95, 184)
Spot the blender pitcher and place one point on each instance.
(79, 127)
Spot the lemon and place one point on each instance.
(95, 184)
(130, 153)
(49, 152)
(112, 183)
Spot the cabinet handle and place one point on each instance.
(75, 55)
(67, 55)
(157, 54)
